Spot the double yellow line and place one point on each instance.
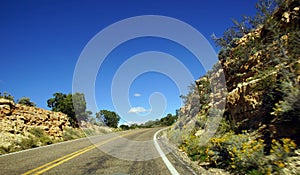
(54, 163)
(61, 160)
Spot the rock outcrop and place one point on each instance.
(256, 81)
(19, 119)
(262, 72)
(255, 86)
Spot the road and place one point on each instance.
(130, 152)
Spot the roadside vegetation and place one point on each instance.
(269, 148)
(37, 137)
(34, 138)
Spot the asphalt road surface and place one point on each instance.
(130, 152)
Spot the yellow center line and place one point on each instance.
(56, 160)
(61, 160)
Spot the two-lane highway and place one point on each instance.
(130, 152)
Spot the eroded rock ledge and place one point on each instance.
(19, 119)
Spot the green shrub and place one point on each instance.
(27, 143)
(36, 138)
(191, 145)
(280, 151)
(6, 149)
(89, 132)
(241, 153)
(71, 133)
(236, 152)
(41, 137)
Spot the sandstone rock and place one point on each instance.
(247, 76)
(19, 119)
(6, 106)
(4, 101)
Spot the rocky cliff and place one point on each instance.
(244, 114)
(263, 76)
(258, 79)
(18, 121)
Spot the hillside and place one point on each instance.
(19, 121)
(243, 116)
(24, 127)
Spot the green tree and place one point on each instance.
(109, 118)
(134, 126)
(151, 123)
(79, 105)
(26, 101)
(168, 120)
(124, 127)
(72, 105)
(265, 8)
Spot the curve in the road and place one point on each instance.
(81, 157)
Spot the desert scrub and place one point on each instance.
(239, 153)
(72, 133)
(89, 132)
(177, 135)
(283, 148)
(41, 136)
(243, 154)
(278, 160)
(191, 145)
(36, 137)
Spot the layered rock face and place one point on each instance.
(205, 104)
(245, 98)
(263, 76)
(18, 119)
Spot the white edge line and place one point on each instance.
(170, 167)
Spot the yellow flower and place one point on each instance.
(286, 149)
(269, 170)
(293, 144)
(234, 149)
(280, 164)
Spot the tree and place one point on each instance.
(265, 9)
(26, 101)
(7, 96)
(134, 126)
(109, 118)
(79, 105)
(124, 127)
(168, 120)
(72, 105)
(151, 123)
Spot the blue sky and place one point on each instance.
(41, 42)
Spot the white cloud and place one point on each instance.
(129, 123)
(137, 95)
(137, 110)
